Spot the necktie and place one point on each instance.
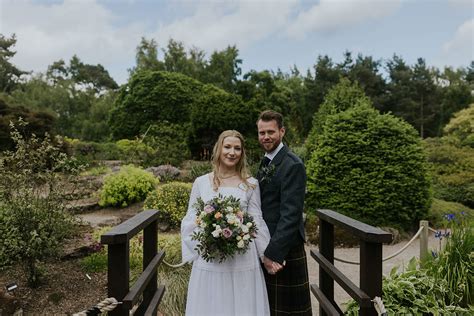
(266, 161)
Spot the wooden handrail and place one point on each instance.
(361, 230)
(118, 272)
(125, 231)
(371, 240)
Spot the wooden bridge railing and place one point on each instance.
(371, 240)
(118, 273)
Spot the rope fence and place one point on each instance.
(106, 305)
(420, 230)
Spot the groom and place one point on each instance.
(282, 180)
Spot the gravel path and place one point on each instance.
(352, 271)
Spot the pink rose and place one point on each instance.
(226, 232)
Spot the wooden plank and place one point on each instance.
(370, 273)
(324, 302)
(326, 246)
(360, 296)
(125, 231)
(361, 230)
(118, 275)
(152, 308)
(137, 289)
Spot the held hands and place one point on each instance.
(271, 266)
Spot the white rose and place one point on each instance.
(249, 224)
(240, 244)
(216, 233)
(246, 237)
(203, 225)
(238, 238)
(245, 229)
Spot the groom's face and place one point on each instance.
(269, 135)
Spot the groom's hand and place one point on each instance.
(271, 266)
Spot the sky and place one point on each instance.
(269, 34)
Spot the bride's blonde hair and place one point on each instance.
(241, 167)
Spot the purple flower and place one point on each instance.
(209, 209)
(434, 254)
(226, 232)
(438, 234)
(449, 217)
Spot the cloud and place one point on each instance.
(331, 15)
(461, 46)
(214, 25)
(48, 32)
(461, 3)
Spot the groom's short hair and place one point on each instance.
(270, 115)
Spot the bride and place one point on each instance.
(237, 285)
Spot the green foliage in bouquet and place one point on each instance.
(171, 199)
(33, 216)
(370, 167)
(223, 228)
(129, 185)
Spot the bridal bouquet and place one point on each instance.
(223, 228)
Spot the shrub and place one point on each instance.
(169, 142)
(370, 167)
(171, 199)
(452, 170)
(135, 151)
(151, 96)
(461, 127)
(33, 216)
(129, 185)
(339, 98)
(165, 173)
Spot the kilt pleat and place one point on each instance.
(288, 290)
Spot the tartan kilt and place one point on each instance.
(288, 290)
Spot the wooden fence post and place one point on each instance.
(423, 240)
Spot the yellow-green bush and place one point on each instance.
(452, 170)
(172, 200)
(129, 185)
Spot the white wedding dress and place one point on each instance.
(237, 285)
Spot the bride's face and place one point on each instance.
(231, 152)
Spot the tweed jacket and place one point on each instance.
(282, 190)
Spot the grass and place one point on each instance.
(440, 208)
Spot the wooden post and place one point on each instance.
(150, 249)
(370, 273)
(118, 275)
(424, 241)
(326, 247)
